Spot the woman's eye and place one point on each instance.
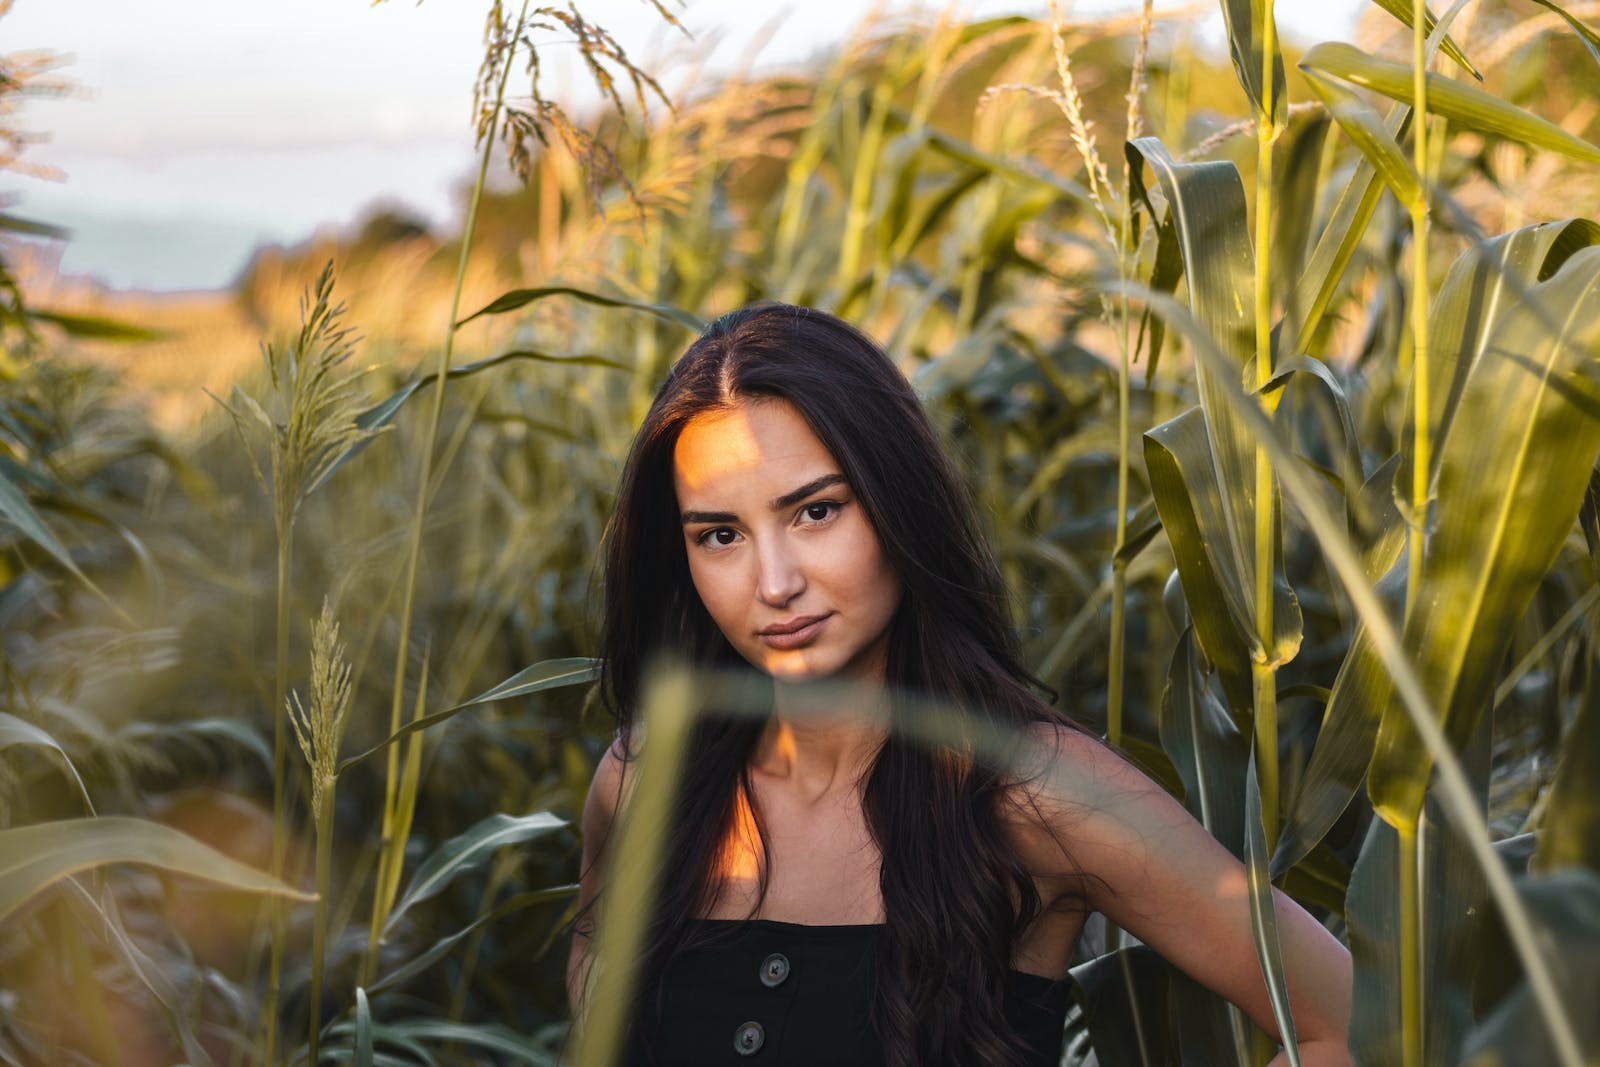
(720, 537)
(820, 511)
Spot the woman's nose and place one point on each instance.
(780, 578)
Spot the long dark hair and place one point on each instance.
(956, 895)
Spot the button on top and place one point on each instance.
(774, 969)
(748, 1039)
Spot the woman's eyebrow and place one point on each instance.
(788, 499)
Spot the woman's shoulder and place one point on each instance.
(608, 788)
(1061, 765)
(1069, 786)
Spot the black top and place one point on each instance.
(766, 992)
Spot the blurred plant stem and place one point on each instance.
(1410, 856)
(1263, 668)
(391, 849)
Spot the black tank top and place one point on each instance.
(789, 995)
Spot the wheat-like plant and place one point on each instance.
(319, 730)
(316, 402)
(320, 727)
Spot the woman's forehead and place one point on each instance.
(755, 444)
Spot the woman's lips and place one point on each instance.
(796, 633)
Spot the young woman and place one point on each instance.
(835, 893)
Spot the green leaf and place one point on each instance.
(1246, 21)
(466, 851)
(1569, 834)
(1511, 479)
(549, 674)
(384, 412)
(1567, 906)
(1216, 584)
(1206, 748)
(363, 1034)
(235, 731)
(1142, 529)
(15, 509)
(97, 328)
(32, 858)
(1465, 105)
(1402, 10)
(1340, 238)
(1264, 915)
(1590, 39)
(441, 948)
(1206, 202)
(1485, 282)
(31, 228)
(14, 731)
(1370, 133)
(521, 298)
(1339, 761)
(1124, 997)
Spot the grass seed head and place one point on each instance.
(320, 728)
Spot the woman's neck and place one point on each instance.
(816, 749)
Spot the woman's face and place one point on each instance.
(779, 549)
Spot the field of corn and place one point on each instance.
(1276, 376)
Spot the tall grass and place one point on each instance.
(1362, 482)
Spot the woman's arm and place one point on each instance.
(1154, 871)
(599, 812)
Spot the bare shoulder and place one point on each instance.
(1077, 809)
(606, 792)
(1067, 773)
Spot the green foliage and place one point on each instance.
(984, 245)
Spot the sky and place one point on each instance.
(197, 129)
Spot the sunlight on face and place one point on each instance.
(780, 551)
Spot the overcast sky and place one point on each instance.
(199, 128)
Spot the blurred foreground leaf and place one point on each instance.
(32, 858)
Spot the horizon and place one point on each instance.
(301, 133)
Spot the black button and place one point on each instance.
(774, 969)
(748, 1039)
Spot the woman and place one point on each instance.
(834, 892)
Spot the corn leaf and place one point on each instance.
(1566, 904)
(1193, 511)
(1125, 1003)
(441, 948)
(96, 327)
(384, 412)
(1246, 22)
(1206, 748)
(33, 858)
(14, 731)
(15, 509)
(1590, 39)
(1402, 10)
(1484, 284)
(1177, 459)
(1206, 203)
(1340, 238)
(1370, 133)
(466, 851)
(363, 1030)
(1510, 483)
(521, 298)
(1569, 835)
(1264, 914)
(1465, 105)
(549, 674)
